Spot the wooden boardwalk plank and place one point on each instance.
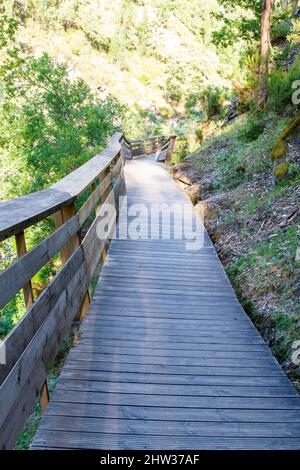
(172, 428)
(166, 356)
(115, 411)
(177, 370)
(140, 400)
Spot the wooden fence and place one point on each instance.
(161, 144)
(32, 345)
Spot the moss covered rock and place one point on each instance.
(279, 150)
(281, 170)
(280, 147)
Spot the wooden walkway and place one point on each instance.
(167, 358)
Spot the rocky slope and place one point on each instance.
(253, 220)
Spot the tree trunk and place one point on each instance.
(265, 45)
(294, 4)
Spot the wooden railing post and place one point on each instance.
(97, 204)
(103, 199)
(22, 250)
(44, 396)
(61, 217)
(170, 149)
(29, 300)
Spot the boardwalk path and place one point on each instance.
(167, 357)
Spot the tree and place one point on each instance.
(259, 12)
(50, 123)
(237, 25)
(265, 45)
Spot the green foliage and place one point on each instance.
(199, 135)
(213, 99)
(50, 123)
(252, 130)
(242, 20)
(280, 87)
(280, 30)
(294, 36)
(181, 149)
(242, 24)
(11, 314)
(8, 28)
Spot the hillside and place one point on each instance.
(165, 59)
(253, 219)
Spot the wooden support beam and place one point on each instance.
(97, 204)
(44, 396)
(109, 188)
(103, 199)
(21, 250)
(170, 149)
(61, 217)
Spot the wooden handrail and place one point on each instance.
(161, 144)
(19, 214)
(32, 345)
(142, 139)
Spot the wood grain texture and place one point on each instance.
(167, 358)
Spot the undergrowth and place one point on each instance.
(256, 229)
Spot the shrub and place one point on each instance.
(199, 135)
(252, 130)
(280, 87)
(213, 99)
(181, 149)
(280, 31)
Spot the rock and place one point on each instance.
(281, 144)
(208, 208)
(285, 152)
(232, 114)
(194, 193)
(182, 185)
(281, 170)
(296, 13)
(293, 56)
(183, 178)
(232, 111)
(279, 150)
(207, 184)
(205, 210)
(222, 199)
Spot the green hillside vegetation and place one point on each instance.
(246, 177)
